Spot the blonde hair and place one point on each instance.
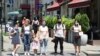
(28, 20)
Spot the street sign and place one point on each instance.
(39, 5)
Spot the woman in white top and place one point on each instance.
(77, 40)
(43, 36)
(26, 31)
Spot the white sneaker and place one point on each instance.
(79, 54)
(13, 54)
(40, 54)
(76, 54)
(35, 54)
(25, 53)
(16, 54)
(28, 54)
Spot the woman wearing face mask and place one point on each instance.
(35, 24)
(77, 41)
(27, 32)
(43, 37)
(15, 39)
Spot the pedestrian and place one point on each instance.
(24, 20)
(15, 39)
(27, 33)
(35, 25)
(76, 38)
(60, 33)
(43, 37)
(35, 44)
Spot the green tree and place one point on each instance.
(83, 20)
(68, 22)
(50, 21)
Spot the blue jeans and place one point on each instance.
(43, 45)
(26, 42)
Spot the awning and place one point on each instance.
(13, 13)
(59, 1)
(53, 7)
(25, 6)
(78, 3)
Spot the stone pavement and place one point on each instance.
(68, 48)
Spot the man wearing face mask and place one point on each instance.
(43, 36)
(60, 33)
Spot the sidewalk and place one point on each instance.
(68, 48)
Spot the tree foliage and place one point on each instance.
(83, 20)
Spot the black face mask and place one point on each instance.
(76, 24)
(59, 22)
(35, 19)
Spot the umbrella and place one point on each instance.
(13, 13)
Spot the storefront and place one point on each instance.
(92, 8)
(56, 7)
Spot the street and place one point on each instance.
(68, 49)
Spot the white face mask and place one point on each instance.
(43, 23)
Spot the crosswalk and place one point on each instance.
(68, 49)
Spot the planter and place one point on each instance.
(70, 37)
(51, 33)
(84, 39)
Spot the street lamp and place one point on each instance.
(40, 6)
(5, 15)
(0, 30)
(31, 12)
(1, 37)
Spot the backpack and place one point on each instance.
(62, 26)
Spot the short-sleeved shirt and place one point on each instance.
(27, 29)
(36, 22)
(59, 30)
(43, 32)
(76, 28)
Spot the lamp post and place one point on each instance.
(31, 9)
(1, 19)
(0, 31)
(5, 14)
(40, 6)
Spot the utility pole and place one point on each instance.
(1, 31)
(0, 27)
(5, 14)
(31, 9)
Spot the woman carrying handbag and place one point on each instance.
(76, 37)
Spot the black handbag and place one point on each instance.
(53, 40)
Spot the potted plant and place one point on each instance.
(83, 20)
(50, 22)
(68, 22)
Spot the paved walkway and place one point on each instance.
(68, 48)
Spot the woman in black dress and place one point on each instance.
(35, 25)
